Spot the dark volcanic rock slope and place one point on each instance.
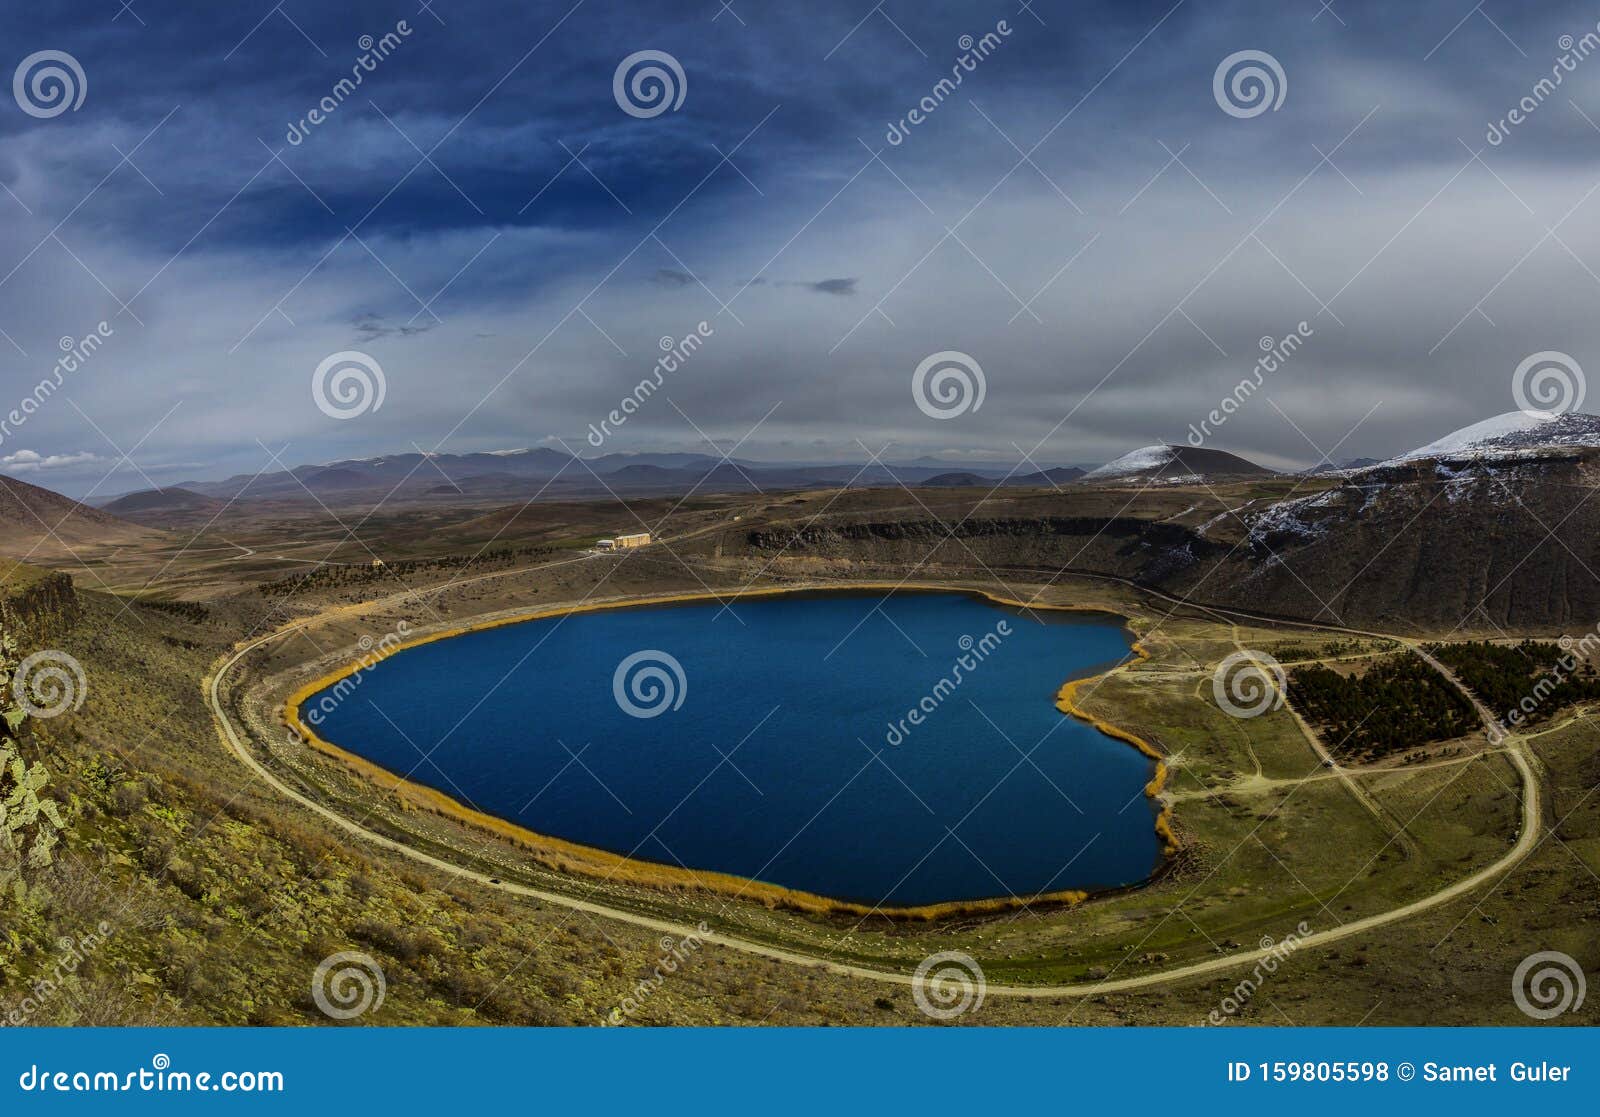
(1424, 546)
(1125, 546)
(1433, 546)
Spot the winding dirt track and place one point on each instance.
(1527, 839)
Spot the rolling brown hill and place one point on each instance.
(158, 507)
(44, 527)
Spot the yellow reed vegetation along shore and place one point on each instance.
(1067, 703)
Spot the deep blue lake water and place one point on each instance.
(785, 753)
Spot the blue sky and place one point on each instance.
(485, 221)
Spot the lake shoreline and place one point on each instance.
(562, 855)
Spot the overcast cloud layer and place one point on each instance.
(485, 221)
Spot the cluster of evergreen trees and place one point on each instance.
(335, 575)
(189, 611)
(1535, 678)
(1397, 704)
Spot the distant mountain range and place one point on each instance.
(544, 472)
(1336, 467)
(518, 474)
(1452, 529)
(1039, 479)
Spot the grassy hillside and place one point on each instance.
(220, 898)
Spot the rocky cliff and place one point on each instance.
(36, 605)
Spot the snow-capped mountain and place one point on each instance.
(1173, 465)
(1486, 527)
(1514, 435)
(1135, 461)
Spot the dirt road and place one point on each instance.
(1513, 746)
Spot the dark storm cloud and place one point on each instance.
(370, 327)
(833, 286)
(510, 245)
